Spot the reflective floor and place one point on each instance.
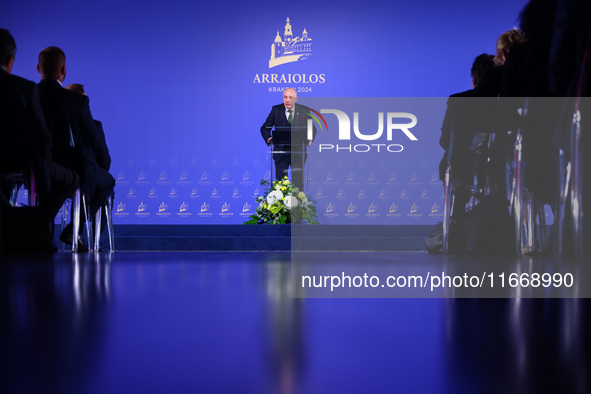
(204, 322)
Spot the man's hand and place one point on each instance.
(269, 140)
(309, 142)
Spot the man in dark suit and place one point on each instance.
(469, 113)
(106, 164)
(286, 128)
(25, 142)
(469, 120)
(77, 141)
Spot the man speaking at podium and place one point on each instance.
(286, 128)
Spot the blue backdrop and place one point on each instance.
(183, 88)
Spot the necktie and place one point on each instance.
(289, 117)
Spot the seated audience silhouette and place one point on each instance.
(78, 143)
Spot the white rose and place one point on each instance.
(290, 202)
(274, 196)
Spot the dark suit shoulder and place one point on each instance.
(20, 81)
(18, 84)
(466, 93)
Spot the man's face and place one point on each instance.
(289, 98)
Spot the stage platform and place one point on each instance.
(269, 237)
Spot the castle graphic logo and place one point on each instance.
(142, 210)
(121, 210)
(184, 178)
(236, 193)
(142, 178)
(351, 211)
(205, 177)
(184, 210)
(226, 210)
(289, 49)
(372, 208)
(436, 211)
(246, 177)
(393, 211)
(121, 178)
(204, 211)
(414, 211)
(330, 211)
(163, 210)
(286, 49)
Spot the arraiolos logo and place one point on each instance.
(290, 48)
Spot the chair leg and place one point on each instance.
(563, 185)
(97, 228)
(108, 208)
(65, 212)
(14, 195)
(530, 223)
(576, 185)
(110, 229)
(447, 209)
(76, 219)
(517, 194)
(87, 222)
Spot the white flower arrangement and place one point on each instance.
(274, 196)
(283, 203)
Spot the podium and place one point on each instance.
(295, 160)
